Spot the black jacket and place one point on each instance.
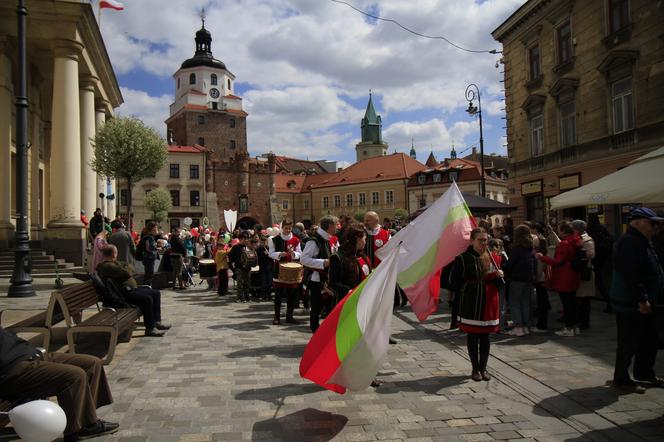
(96, 225)
(177, 246)
(520, 267)
(12, 351)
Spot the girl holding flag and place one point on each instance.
(475, 277)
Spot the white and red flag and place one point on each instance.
(111, 4)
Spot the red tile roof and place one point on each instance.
(288, 183)
(388, 167)
(296, 165)
(233, 97)
(468, 171)
(186, 149)
(237, 111)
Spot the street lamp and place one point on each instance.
(21, 282)
(473, 91)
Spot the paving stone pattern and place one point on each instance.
(224, 372)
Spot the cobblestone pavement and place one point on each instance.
(223, 372)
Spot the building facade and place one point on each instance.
(584, 88)
(72, 90)
(206, 112)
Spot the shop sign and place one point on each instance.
(531, 187)
(569, 182)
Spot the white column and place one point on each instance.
(65, 177)
(35, 145)
(6, 94)
(88, 176)
(109, 209)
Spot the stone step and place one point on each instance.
(46, 265)
(10, 253)
(35, 259)
(45, 273)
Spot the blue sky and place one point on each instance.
(304, 69)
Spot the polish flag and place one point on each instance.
(113, 4)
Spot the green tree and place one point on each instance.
(126, 148)
(359, 216)
(400, 214)
(158, 201)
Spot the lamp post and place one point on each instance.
(473, 91)
(21, 281)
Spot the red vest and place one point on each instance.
(378, 241)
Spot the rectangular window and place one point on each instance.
(349, 200)
(284, 204)
(337, 200)
(194, 172)
(201, 119)
(175, 170)
(623, 106)
(454, 175)
(306, 204)
(389, 198)
(567, 124)
(437, 178)
(232, 122)
(537, 135)
(231, 144)
(421, 179)
(375, 198)
(618, 15)
(564, 43)
(326, 202)
(123, 197)
(362, 197)
(175, 198)
(534, 62)
(194, 198)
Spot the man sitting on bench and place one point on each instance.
(78, 380)
(146, 299)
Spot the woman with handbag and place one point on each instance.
(475, 277)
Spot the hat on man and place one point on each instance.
(644, 212)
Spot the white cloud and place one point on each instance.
(152, 110)
(432, 135)
(300, 60)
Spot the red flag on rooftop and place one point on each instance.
(112, 4)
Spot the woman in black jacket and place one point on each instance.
(349, 266)
(150, 253)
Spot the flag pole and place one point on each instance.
(99, 14)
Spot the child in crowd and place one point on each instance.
(497, 251)
(221, 261)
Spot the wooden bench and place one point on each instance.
(5, 406)
(72, 301)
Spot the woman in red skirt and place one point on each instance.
(475, 278)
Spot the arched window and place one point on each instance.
(201, 141)
(229, 85)
(192, 78)
(213, 79)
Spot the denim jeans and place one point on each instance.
(520, 298)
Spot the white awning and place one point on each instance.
(640, 182)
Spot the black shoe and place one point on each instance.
(153, 332)
(393, 341)
(653, 382)
(376, 383)
(628, 387)
(97, 429)
(292, 321)
(162, 326)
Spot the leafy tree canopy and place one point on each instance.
(158, 201)
(125, 147)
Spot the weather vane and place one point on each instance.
(203, 16)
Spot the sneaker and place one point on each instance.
(525, 331)
(565, 332)
(153, 332)
(654, 381)
(513, 332)
(97, 429)
(393, 341)
(162, 326)
(538, 330)
(577, 331)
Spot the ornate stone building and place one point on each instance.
(208, 113)
(584, 89)
(72, 89)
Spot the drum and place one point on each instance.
(290, 272)
(207, 268)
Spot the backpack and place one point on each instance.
(140, 249)
(248, 258)
(580, 264)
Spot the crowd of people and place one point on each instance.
(491, 285)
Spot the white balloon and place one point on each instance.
(38, 421)
(207, 237)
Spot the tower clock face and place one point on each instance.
(214, 92)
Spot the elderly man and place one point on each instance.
(78, 380)
(145, 298)
(377, 237)
(637, 284)
(316, 256)
(123, 241)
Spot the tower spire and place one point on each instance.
(202, 15)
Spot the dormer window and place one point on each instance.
(421, 179)
(454, 176)
(213, 79)
(192, 78)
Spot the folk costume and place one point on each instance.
(280, 248)
(346, 273)
(316, 251)
(376, 239)
(479, 310)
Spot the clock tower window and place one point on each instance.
(213, 79)
(192, 78)
(229, 86)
